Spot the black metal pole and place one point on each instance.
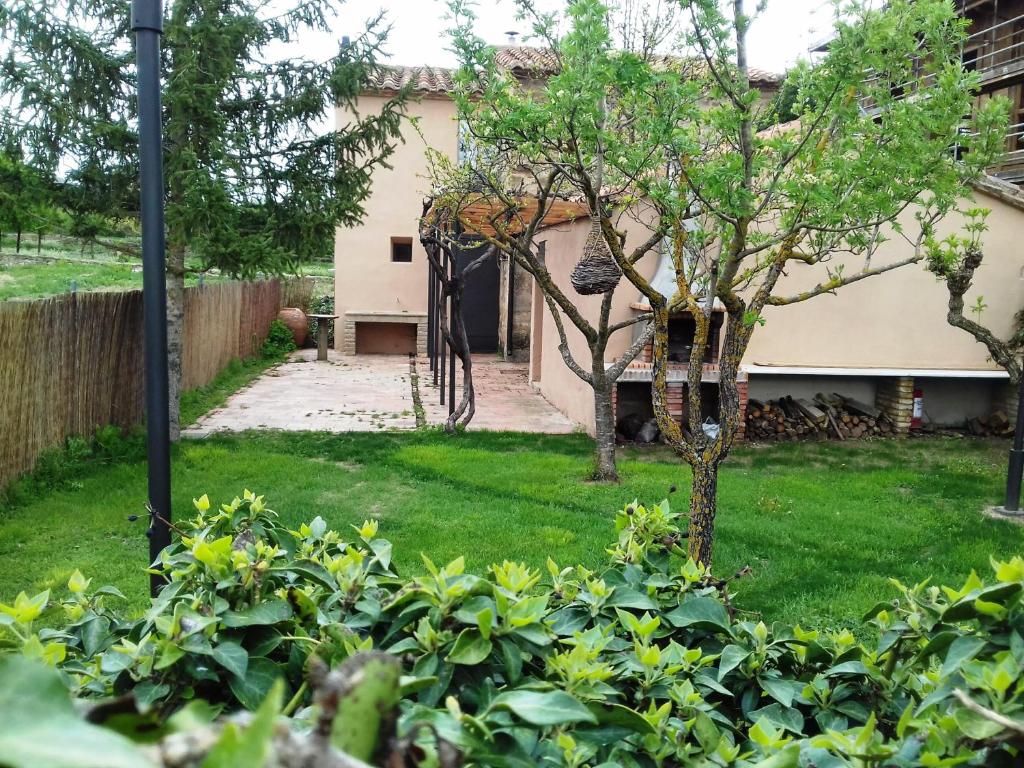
(438, 335)
(430, 312)
(1016, 465)
(451, 347)
(147, 24)
(441, 339)
(451, 380)
(510, 307)
(433, 332)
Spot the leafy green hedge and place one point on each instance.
(324, 305)
(646, 663)
(279, 341)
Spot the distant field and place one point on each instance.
(38, 280)
(60, 264)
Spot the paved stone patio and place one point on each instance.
(371, 393)
(505, 399)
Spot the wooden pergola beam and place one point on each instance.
(476, 215)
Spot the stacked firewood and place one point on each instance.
(826, 416)
(996, 425)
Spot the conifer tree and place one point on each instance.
(23, 195)
(256, 180)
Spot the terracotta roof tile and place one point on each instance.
(522, 60)
(421, 79)
(525, 59)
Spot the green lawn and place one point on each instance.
(38, 280)
(823, 526)
(43, 278)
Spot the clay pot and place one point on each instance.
(297, 323)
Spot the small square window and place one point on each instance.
(401, 249)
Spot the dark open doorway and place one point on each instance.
(480, 299)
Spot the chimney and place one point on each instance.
(512, 35)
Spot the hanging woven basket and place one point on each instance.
(596, 271)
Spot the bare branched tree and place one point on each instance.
(440, 235)
(522, 199)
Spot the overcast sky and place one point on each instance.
(418, 34)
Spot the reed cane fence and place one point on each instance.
(72, 364)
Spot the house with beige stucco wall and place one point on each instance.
(877, 341)
(380, 267)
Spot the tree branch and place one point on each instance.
(1009, 724)
(958, 282)
(563, 342)
(630, 354)
(829, 286)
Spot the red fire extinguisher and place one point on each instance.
(918, 413)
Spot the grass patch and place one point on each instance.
(64, 468)
(45, 278)
(823, 526)
(42, 279)
(51, 272)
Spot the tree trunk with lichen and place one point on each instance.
(700, 451)
(175, 334)
(703, 507)
(958, 282)
(708, 458)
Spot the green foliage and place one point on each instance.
(279, 341)
(529, 501)
(250, 745)
(39, 727)
(324, 305)
(671, 143)
(254, 184)
(87, 225)
(61, 468)
(642, 663)
(784, 106)
(243, 609)
(298, 292)
(25, 196)
(856, 156)
(946, 257)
